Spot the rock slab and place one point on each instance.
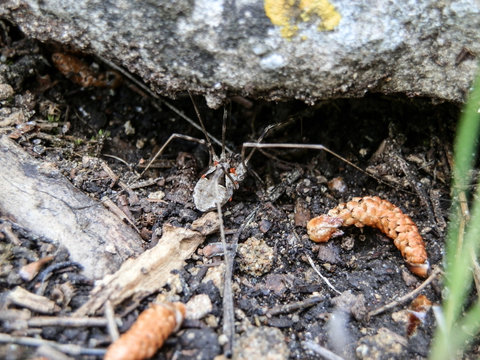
(311, 50)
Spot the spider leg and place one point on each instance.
(162, 149)
(313, 147)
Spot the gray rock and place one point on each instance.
(268, 50)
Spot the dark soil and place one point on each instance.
(405, 142)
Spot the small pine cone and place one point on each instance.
(381, 214)
(152, 327)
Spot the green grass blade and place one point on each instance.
(453, 337)
(458, 275)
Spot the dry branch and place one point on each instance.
(149, 272)
(40, 199)
(23, 298)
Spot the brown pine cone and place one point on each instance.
(152, 327)
(381, 214)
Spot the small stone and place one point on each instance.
(222, 339)
(354, 304)
(400, 316)
(328, 253)
(384, 345)
(337, 184)
(207, 224)
(6, 91)
(302, 213)
(264, 342)
(276, 283)
(210, 250)
(129, 129)
(156, 196)
(409, 278)
(198, 307)
(211, 321)
(255, 257)
(264, 226)
(199, 344)
(215, 274)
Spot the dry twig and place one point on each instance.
(21, 297)
(111, 324)
(6, 228)
(228, 309)
(30, 270)
(320, 350)
(298, 305)
(408, 296)
(71, 349)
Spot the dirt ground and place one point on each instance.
(403, 143)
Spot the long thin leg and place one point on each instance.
(150, 93)
(204, 130)
(193, 123)
(173, 136)
(308, 146)
(264, 133)
(224, 131)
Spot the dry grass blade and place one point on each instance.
(321, 276)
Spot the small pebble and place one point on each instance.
(265, 225)
(215, 274)
(6, 91)
(302, 213)
(255, 257)
(198, 344)
(384, 345)
(267, 343)
(337, 184)
(156, 196)
(198, 307)
(328, 253)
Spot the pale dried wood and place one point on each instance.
(23, 298)
(37, 197)
(149, 272)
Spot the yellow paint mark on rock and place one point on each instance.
(288, 13)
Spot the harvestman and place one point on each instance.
(218, 184)
(216, 187)
(228, 170)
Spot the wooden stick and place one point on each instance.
(34, 194)
(71, 349)
(320, 350)
(408, 296)
(287, 308)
